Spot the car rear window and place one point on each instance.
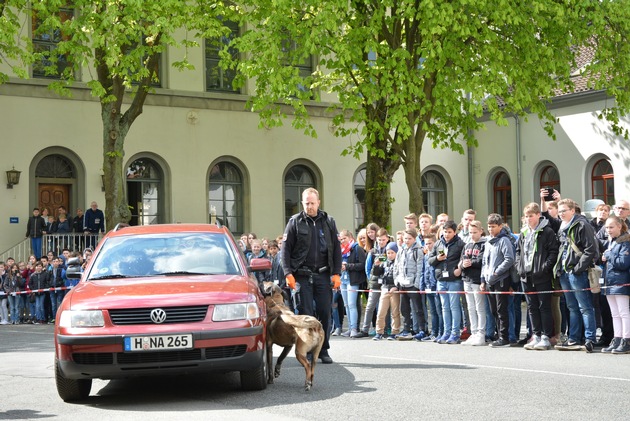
(165, 254)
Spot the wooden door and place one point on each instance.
(52, 196)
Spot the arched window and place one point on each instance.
(144, 187)
(550, 178)
(603, 181)
(54, 166)
(226, 196)
(433, 193)
(502, 194)
(296, 180)
(359, 199)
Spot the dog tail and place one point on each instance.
(307, 322)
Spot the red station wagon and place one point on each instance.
(161, 300)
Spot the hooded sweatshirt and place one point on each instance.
(498, 258)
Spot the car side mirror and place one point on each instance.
(73, 268)
(257, 265)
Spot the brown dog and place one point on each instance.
(287, 329)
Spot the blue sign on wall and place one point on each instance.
(14, 220)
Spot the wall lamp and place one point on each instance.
(13, 178)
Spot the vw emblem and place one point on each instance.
(158, 315)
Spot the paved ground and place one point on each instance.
(369, 380)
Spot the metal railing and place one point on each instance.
(52, 242)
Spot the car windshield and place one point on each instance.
(165, 255)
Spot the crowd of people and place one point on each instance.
(435, 280)
(53, 241)
(464, 282)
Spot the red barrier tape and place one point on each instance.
(29, 291)
(488, 292)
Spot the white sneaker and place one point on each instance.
(480, 340)
(543, 344)
(346, 333)
(4, 322)
(471, 339)
(354, 333)
(336, 332)
(531, 344)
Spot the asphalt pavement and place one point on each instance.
(369, 380)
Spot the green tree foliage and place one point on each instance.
(14, 42)
(409, 70)
(116, 47)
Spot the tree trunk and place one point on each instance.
(413, 173)
(116, 209)
(378, 180)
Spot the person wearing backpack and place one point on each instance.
(578, 251)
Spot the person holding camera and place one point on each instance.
(375, 257)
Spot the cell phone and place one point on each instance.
(549, 195)
(382, 257)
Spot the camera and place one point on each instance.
(382, 257)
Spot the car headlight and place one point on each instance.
(82, 318)
(242, 311)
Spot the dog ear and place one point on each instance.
(267, 288)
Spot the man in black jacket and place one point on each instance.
(35, 229)
(311, 257)
(578, 251)
(536, 255)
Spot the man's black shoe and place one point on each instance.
(325, 358)
(602, 343)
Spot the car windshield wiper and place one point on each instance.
(179, 272)
(113, 276)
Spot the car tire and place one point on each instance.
(256, 379)
(71, 389)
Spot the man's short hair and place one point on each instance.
(476, 224)
(412, 216)
(412, 231)
(425, 215)
(470, 212)
(552, 204)
(35, 209)
(273, 243)
(602, 206)
(381, 232)
(532, 207)
(429, 237)
(569, 203)
(450, 225)
(495, 219)
(347, 233)
(310, 190)
(38, 263)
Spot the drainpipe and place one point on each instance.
(519, 198)
(471, 169)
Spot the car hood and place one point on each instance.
(162, 291)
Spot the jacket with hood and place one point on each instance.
(409, 266)
(498, 258)
(617, 266)
(543, 256)
(474, 252)
(444, 270)
(579, 232)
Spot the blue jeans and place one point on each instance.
(491, 322)
(335, 311)
(437, 321)
(55, 300)
(451, 306)
(350, 303)
(36, 245)
(39, 307)
(15, 304)
(580, 305)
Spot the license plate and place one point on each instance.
(162, 342)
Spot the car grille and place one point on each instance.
(122, 358)
(142, 316)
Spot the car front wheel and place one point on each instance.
(256, 379)
(70, 389)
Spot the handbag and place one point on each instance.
(594, 273)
